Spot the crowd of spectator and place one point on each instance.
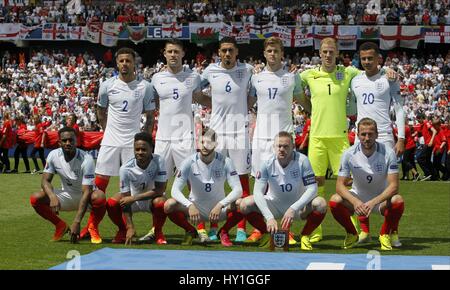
(55, 83)
(147, 12)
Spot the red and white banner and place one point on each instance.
(54, 31)
(346, 36)
(92, 32)
(9, 31)
(106, 33)
(110, 33)
(262, 29)
(294, 37)
(77, 33)
(137, 34)
(240, 33)
(172, 30)
(438, 35)
(403, 36)
(25, 30)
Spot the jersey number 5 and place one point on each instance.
(175, 94)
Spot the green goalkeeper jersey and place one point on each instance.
(328, 99)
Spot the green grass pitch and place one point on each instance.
(424, 228)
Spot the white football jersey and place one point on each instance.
(79, 171)
(125, 102)
(136, 180)
(274, 92)
(369, 173)
(374, 96)
(207, 181)
(175, 121)
(286, 185)
(229, 92)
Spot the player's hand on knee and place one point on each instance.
(131, 234)
(55, 205)
(126, 200)
(369, 207)
(215, 213)
(74, 232)
(272, 226)
(288, 219)
(194, 214)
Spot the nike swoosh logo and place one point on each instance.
(316, 77)
(57, 167)
(357, 167)
(274, 175)
(163, 83)
(214, 76)
(196, 174)
(259, 81)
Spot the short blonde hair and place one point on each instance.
(273, 41)
(328, 41)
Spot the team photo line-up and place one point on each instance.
(289, 185)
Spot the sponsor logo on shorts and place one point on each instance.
(179, 173)
(162, 172)
(393, 167)
(89, 176)
(233, 173)
(258, 175)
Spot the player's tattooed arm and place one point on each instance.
(149, 121)
(251, 101)
(305, 102)
(102, 117)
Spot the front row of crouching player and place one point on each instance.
(285, 188)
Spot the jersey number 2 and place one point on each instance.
(125, 106)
